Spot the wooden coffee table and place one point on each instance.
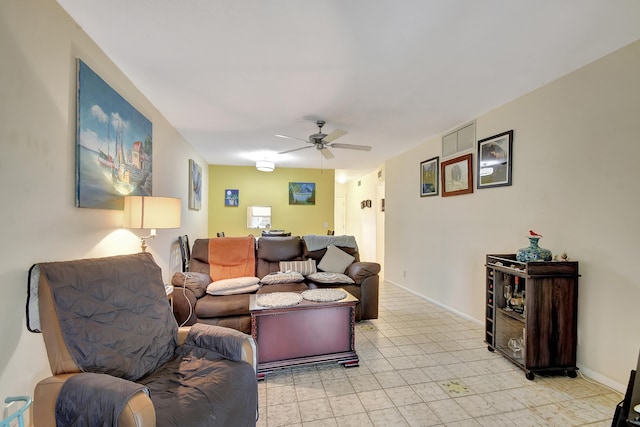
(309, 332)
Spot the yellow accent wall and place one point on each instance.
(269, 189)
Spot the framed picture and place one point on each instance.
(302, 193)
(457, 176)
(113, 145)
(231, 197)
(195, 185)
(429, 171)
(494, 160)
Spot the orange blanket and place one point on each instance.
(231, 257)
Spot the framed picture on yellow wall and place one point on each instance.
(231, 197)
(302, 193)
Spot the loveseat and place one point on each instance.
(117, 356)
(216, 259)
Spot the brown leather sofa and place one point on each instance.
(192, 305)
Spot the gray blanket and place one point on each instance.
(200, 388)
(114, 314)
(94, 400)
(316, 242)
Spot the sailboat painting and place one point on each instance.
(113, 147)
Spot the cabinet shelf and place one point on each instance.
(547, 329)
(512, 314)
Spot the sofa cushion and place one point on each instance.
(222, 306)
(303, 267)
(279, 277)
(283, 287)
(335, 260)
(274, 249)
(237, 285)
(196, 282)
(328, 277)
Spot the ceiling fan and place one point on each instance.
(322, 141)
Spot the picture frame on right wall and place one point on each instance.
(429, 177)
(457, 176)
(495, 156)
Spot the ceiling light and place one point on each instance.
(265, 166)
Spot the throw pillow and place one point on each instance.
(303, 267)
(237, 285)
(326, 277)
(275, 278)
(196, 282)
(335, 260)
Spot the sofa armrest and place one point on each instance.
(184, 306)
(360, 270)
(138, 412)
(228, 342)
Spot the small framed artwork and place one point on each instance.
(302, 193)
(429, 171)
(494, 160)
(195, 185)
(457, 176)
(231, 197)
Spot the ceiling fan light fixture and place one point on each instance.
(265, 166)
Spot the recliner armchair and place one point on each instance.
(110, 316)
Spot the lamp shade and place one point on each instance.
(265, 166)
(151, 212)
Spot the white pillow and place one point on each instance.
(335, 260)
(302, 267)
(326, 277)
(237, 285)
(275, 278)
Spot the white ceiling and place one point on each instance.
(230, 74)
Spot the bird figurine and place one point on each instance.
(534, 234)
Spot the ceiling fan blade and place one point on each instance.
(326, 153)
(295, 149)
(292, 137)
(334, 135)
(352, 147)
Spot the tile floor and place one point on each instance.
(421, 365)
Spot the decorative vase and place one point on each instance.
(533, 252)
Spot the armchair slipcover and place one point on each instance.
(107, 325)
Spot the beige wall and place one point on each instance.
(39, 222)
(269, 189)
(575, 177)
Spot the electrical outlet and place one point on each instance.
(404, 273)
(579, 338)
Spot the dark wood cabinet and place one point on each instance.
(534, 325)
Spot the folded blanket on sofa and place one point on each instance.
(315, 242)
(89, 399)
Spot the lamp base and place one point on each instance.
(143, 239)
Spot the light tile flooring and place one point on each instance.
(421, 365)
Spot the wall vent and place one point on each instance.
(459, 141)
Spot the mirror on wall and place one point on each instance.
(258, 216)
